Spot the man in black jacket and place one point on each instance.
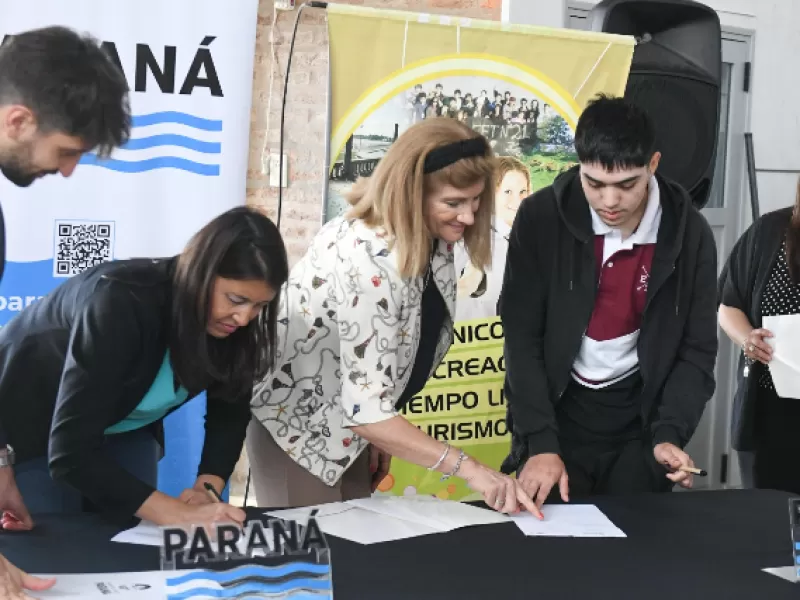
(60, 96)
(609, 313)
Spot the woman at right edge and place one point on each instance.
(365, 318)
(760, 279)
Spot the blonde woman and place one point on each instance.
(365, 318)
(479, 289)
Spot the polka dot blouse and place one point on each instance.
(781, 297)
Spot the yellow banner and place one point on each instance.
(523, 88)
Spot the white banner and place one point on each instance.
(189, 65)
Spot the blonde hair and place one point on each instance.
(508, 164)
(393, 197)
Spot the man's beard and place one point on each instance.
(16, 166)
(17, 176)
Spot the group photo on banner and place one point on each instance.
(522, 88)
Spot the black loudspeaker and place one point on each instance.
(675, 76)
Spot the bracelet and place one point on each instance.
(748, 362)
(441, 458)
(461, 458)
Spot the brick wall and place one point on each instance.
(304, 140)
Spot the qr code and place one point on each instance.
(80, 245)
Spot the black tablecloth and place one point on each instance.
(709, 545)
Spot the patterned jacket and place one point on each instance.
(348, 332)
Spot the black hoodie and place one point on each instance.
(548, 297)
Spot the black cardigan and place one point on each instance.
(80, 360)
(741, 285)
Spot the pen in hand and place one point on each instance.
(215, 497)
(693, 470)
(212, 492)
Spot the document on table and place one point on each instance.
(119, 586)
(144, 534)
(444, 515)
(785, 364)
(384, 519)
(250, 581)
(568, 520)
(787, 573)
(149, 534)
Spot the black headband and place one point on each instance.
(444, 156)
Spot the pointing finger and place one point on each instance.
(528, 503)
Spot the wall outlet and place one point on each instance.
(284, 4)
(275, 170)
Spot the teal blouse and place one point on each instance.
(161, 398)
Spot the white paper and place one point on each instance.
(384, 519)
(787, 573)
(444, 515)
(301, 515)
(152, 585)
(144, 534)
(117, 586)
(367, 527)
(568, 520)
(785, 364)
(149, 534)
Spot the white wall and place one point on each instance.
(775, 91)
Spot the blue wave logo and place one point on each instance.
(135, 156)
(292, 581)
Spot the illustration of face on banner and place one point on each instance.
(517, 95)
(532, 139)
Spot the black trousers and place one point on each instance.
(776, 459)
(603, 445)
(627, 467)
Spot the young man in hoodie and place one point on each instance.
(609, 313)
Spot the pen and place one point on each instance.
(212, 492)
(214, 495)
(694, 471)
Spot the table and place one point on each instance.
(679, 545)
